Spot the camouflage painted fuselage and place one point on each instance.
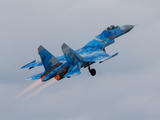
(92, 52)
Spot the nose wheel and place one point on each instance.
(92, 71)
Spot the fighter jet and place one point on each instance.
(70, 63)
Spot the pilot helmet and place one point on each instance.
(108, 28)
(112, 26)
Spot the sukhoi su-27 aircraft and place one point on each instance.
(72, 61)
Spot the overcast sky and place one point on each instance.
(125, 87)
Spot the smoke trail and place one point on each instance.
(43, 87)
(28, 88)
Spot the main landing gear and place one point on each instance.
(92, 71)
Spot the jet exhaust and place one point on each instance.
(59, 75)
(28, 88)
(42, 87)
(50, 70)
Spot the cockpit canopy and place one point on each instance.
(111, 27)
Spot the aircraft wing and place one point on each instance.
(94, 55)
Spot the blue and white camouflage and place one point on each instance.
(72, 61)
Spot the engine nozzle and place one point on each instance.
(59, 75)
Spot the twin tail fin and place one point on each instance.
(47, 58)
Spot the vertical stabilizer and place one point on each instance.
(71, 56)
(47, 58)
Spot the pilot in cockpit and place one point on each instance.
(111, 27)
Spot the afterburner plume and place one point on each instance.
(43, 87)
(28, 88)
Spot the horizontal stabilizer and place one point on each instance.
(47, 58)
(32, 64)
(35, 77)
(25, 66)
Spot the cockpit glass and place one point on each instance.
(111, 27)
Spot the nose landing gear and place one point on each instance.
(92, 71)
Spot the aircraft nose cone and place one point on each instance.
(128, 27)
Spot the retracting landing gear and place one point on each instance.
(92, 71)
